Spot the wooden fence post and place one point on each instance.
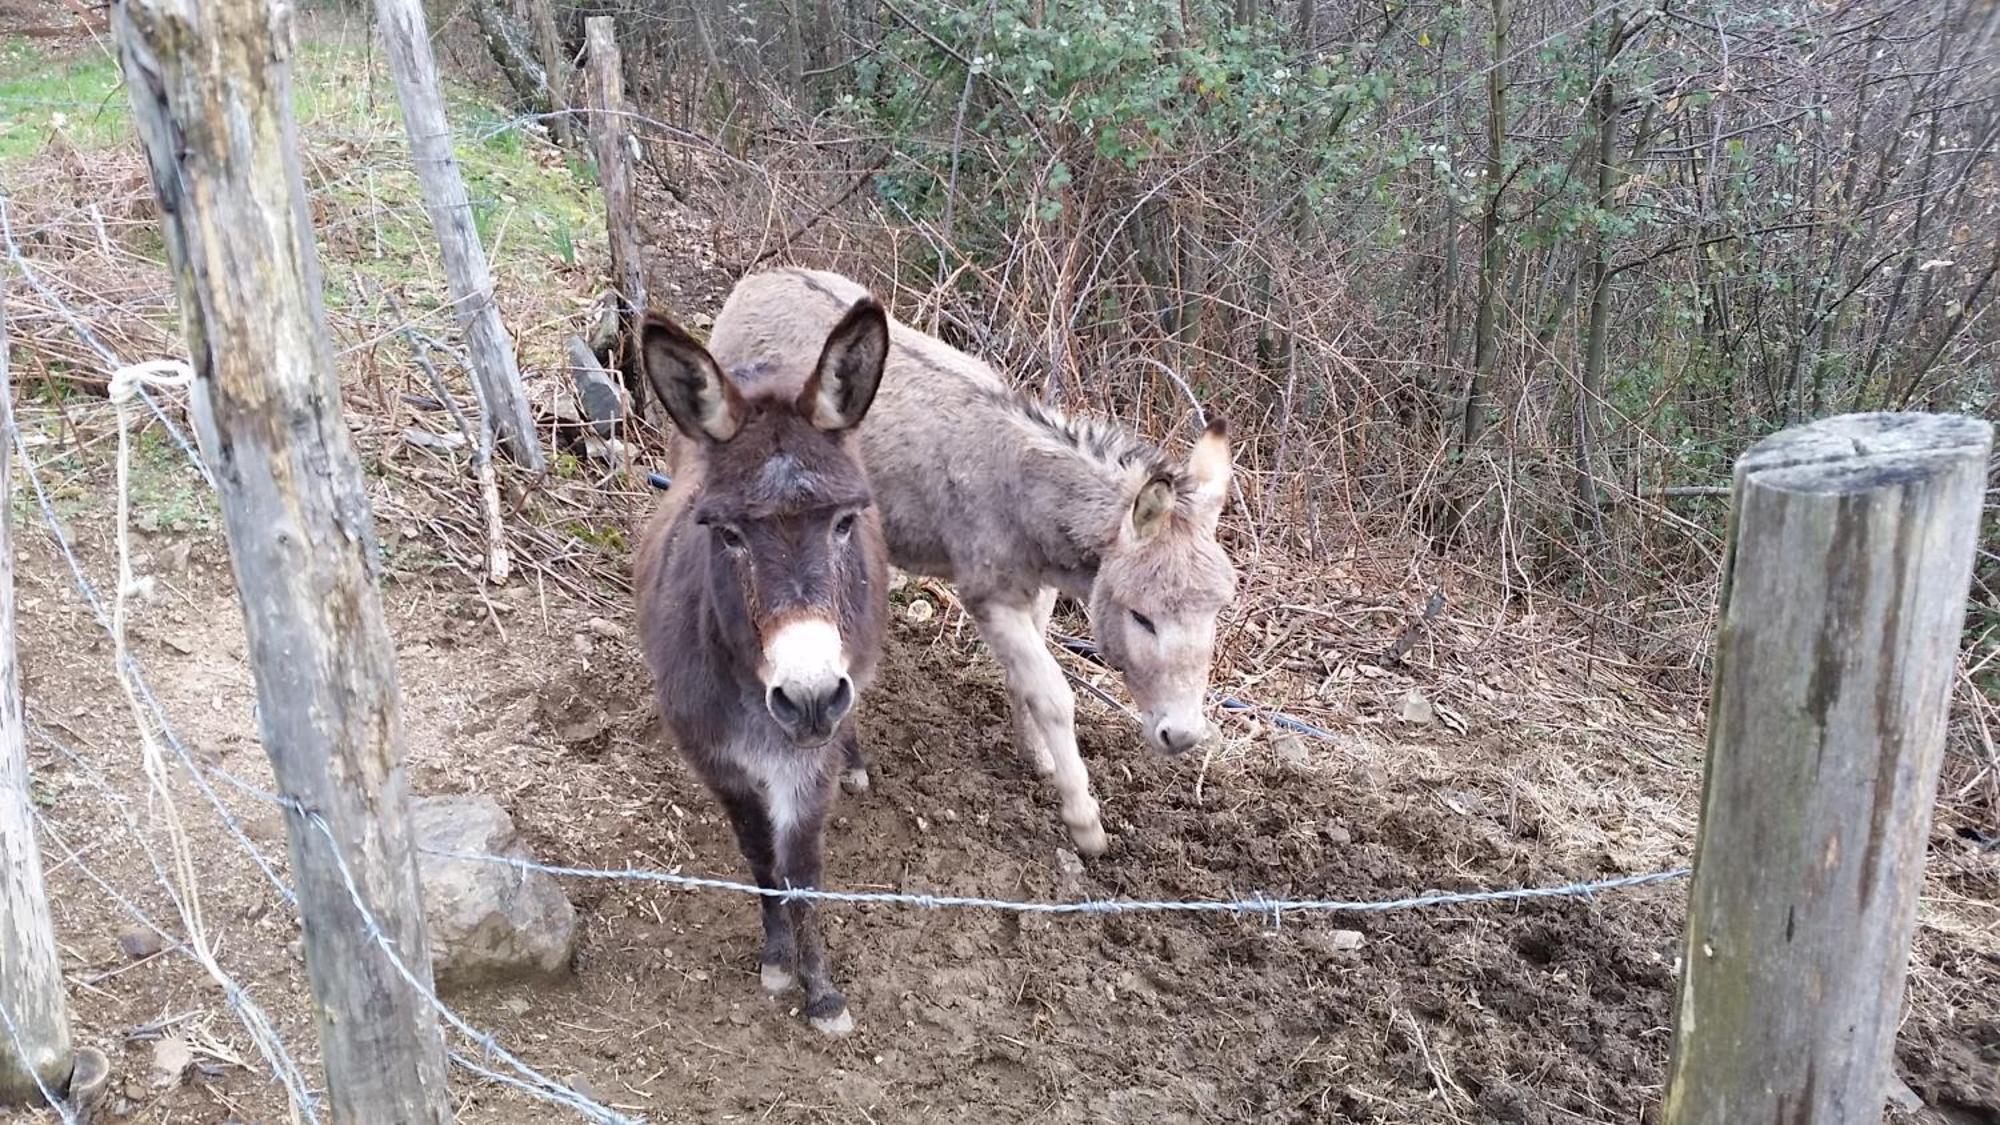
(555, 66)
(610, 139)
(1850, 554)
(210, 89)
(489, 350)
(35, 1050)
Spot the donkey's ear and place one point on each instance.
(1149, 509)
(702, 403)
(843, 384)
(1208, 472)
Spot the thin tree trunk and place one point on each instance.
(1492, 249)
(489, 349)
(211, 93)
(509, 49)
(1590, 391)
(555, 65)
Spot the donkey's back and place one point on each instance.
(1012, 502)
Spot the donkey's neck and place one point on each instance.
(1072, 500)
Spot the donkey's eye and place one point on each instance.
(844, 526)
(732, 540)
(1143, 622)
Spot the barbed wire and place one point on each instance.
(1274, 908)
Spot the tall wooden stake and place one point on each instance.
(1850, 553)
(210, 87)
(34, 1020)
(610, 140)
(489, 350)
(555, 64)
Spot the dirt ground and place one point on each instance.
(1551, 1012)
(1544, 763)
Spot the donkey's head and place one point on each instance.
(783, 509)
(1159, 589)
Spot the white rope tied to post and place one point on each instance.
(126, 383)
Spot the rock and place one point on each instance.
(140, 943)
(1069, 863)
(603, 400)
(171, 1059)
(1348, 941)
(583, 1087)
(1901, 1097)
(1417, 709)
(488, 922)
(1291, 750)
(609, 630)
(1069, 872)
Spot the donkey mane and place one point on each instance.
(1100, 439)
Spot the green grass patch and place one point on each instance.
(78, 98)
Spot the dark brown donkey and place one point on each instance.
(762, 587)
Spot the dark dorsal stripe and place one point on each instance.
(1100, 439)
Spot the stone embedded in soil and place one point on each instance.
(488, 922)
(583, 1087)
(1069, 872)
(140, 943)
(1417, 709)
(1291, 749)
(171, 1059)
(609, 630)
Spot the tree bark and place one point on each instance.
(489, 350)
(1850, 553)
(34, 1016)
(210, 88)
(1492, 249)
(555, 69)
(505, 43)
(1590, 391)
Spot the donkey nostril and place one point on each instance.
(781, 706)
(841, 701)
(1175, 740)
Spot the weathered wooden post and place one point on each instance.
(34, 1036)
(210, 88)
(1850, 554)
(612, 145)
(489, 350)
(555, 65)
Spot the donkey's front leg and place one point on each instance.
(854, 767)
(757, 841)
(802, 846)
(1044, 712)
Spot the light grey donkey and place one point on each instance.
(1012, 502)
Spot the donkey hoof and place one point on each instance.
(854, 781)
(775, 978)
(1090, 839)
(831, 1017)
